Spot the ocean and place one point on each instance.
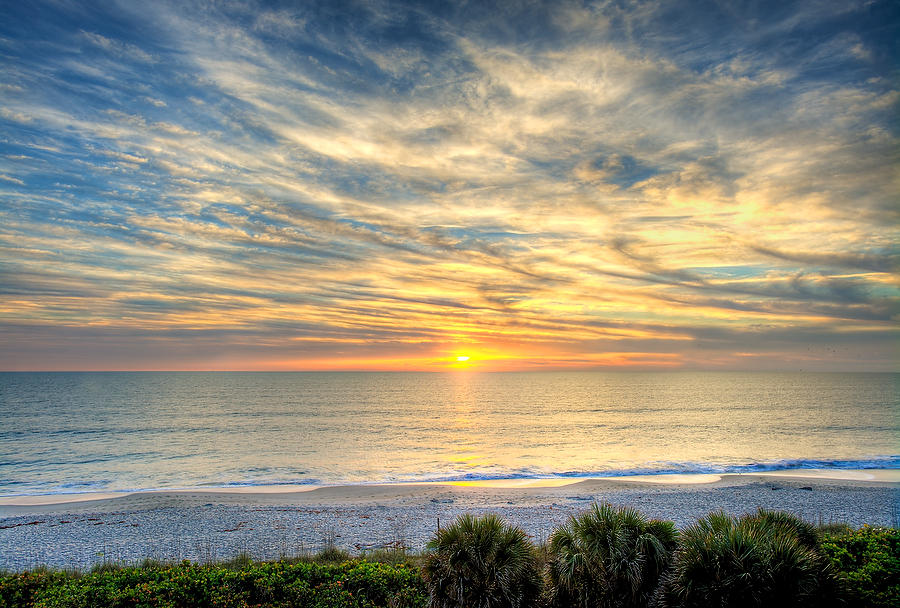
(129, 431)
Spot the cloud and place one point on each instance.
(888, 262)
(14, 180)
(586, 178)
(122, 50)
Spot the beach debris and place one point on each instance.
(807, 488)
(445, 501)
(30, 523)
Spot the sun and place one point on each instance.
(463, 358)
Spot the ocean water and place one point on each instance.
(90, 432)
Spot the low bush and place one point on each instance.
(868, 560)
(21, 589)
(355, 584)
(481, 562)
(765, 559)
(609, 556)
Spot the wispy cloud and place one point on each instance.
(380, 185)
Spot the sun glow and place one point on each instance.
(461, 362)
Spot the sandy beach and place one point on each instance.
(81, 530)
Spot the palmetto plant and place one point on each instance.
(805, 532)
(609, 556)
(481, 562)
(765, 559)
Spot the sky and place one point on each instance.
(377, 185)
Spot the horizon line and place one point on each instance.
(439, 371)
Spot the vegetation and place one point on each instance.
(765, 559)
(604, 557)
(481, 562)
(609, 556)
(869, 561)
(354, 584)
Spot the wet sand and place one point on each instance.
(81, 530)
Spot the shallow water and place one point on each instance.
(80, 432)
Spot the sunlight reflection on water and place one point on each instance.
(71, 432)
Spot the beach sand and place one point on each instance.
(199, 525)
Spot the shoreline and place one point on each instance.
(213, 524)
(662, 479)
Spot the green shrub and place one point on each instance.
(481, 563)
(609, 556)
(273, 585)
(806, 533)
(20, 589)
(765, 559)
(868, 560)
